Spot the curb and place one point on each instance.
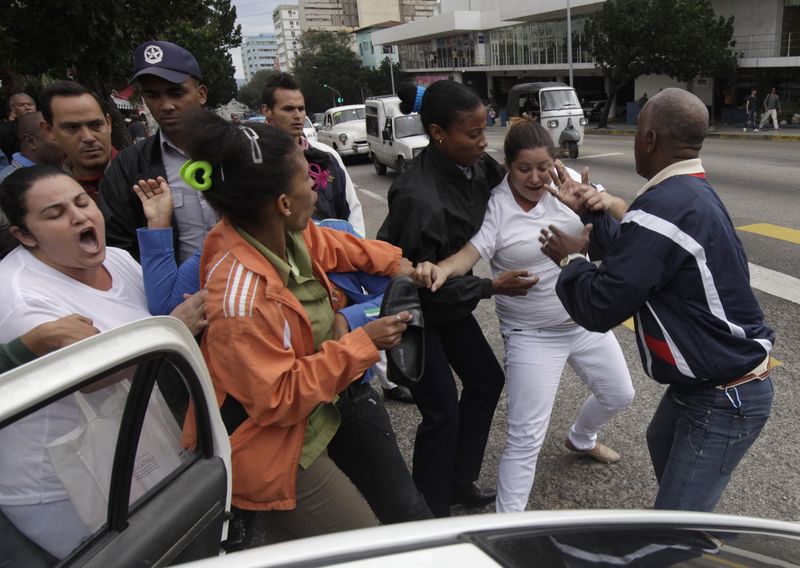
(721, 135)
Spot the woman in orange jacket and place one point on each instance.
(269, 345)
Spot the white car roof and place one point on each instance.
(431, 543)
(346, 107)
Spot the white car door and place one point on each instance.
(130, 442)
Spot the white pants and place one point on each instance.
(534, 362)
(771, 113)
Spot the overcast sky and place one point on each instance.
(255, 17)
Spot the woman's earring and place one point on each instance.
(439, 140)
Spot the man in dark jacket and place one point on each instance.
(169, 78)
(677, 266)
(284, 107)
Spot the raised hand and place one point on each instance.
(156, 198)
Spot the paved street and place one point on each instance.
(759, 181)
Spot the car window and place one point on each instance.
(307, 123)
(405, 126)
(635, 546)
(58, 463)
(348, 115)
(555, 100)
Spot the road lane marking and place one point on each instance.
(373, 195)
(773, 231)
(776, 283)
(599, 156)
(775, 362)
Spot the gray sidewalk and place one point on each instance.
(787, 134)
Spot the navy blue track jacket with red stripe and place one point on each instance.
(677, 266)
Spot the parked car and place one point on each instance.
(182, 515)
(317, 118)
(395, 139)
(308, 130)
(345, 130)
(593, 109)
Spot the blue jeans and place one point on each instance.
(696, 440)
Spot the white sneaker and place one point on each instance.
(755, 130)
(744, 130)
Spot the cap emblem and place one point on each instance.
(153, 54)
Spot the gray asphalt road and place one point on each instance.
(760, 183)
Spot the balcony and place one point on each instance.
(768, 45)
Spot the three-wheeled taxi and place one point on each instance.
(555, 106)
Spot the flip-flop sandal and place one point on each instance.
(406, 362)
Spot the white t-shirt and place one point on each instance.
(509, 240)
(36, 293)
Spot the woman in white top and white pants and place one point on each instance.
(538, 333)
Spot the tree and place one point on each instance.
(379, 81)
(250, 93)
(93, 42)
(679, 38)
(326, 59)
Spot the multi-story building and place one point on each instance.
(493, 44)
(411, 10)
(347, 15)
(286, 20)
(332, 15)
(258, 52)
(370, 53)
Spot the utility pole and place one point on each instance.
(338, 98)
(569, 42)
(391, 74)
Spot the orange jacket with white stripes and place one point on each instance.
(259, 349)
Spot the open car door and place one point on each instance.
(120, 434)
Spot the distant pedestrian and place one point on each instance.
(18, 105)
(136, 129)
(751, 111)
(772, 106)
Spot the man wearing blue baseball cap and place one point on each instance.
(170, 82)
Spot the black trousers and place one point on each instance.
(365, 449)
(451, 439)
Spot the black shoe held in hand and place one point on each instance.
(405, 362)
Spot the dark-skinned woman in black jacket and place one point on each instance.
(435, 207)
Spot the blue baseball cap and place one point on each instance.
(166, 60)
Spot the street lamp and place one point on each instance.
(339, 99)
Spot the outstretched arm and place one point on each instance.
(165, 283)
(432, 276)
